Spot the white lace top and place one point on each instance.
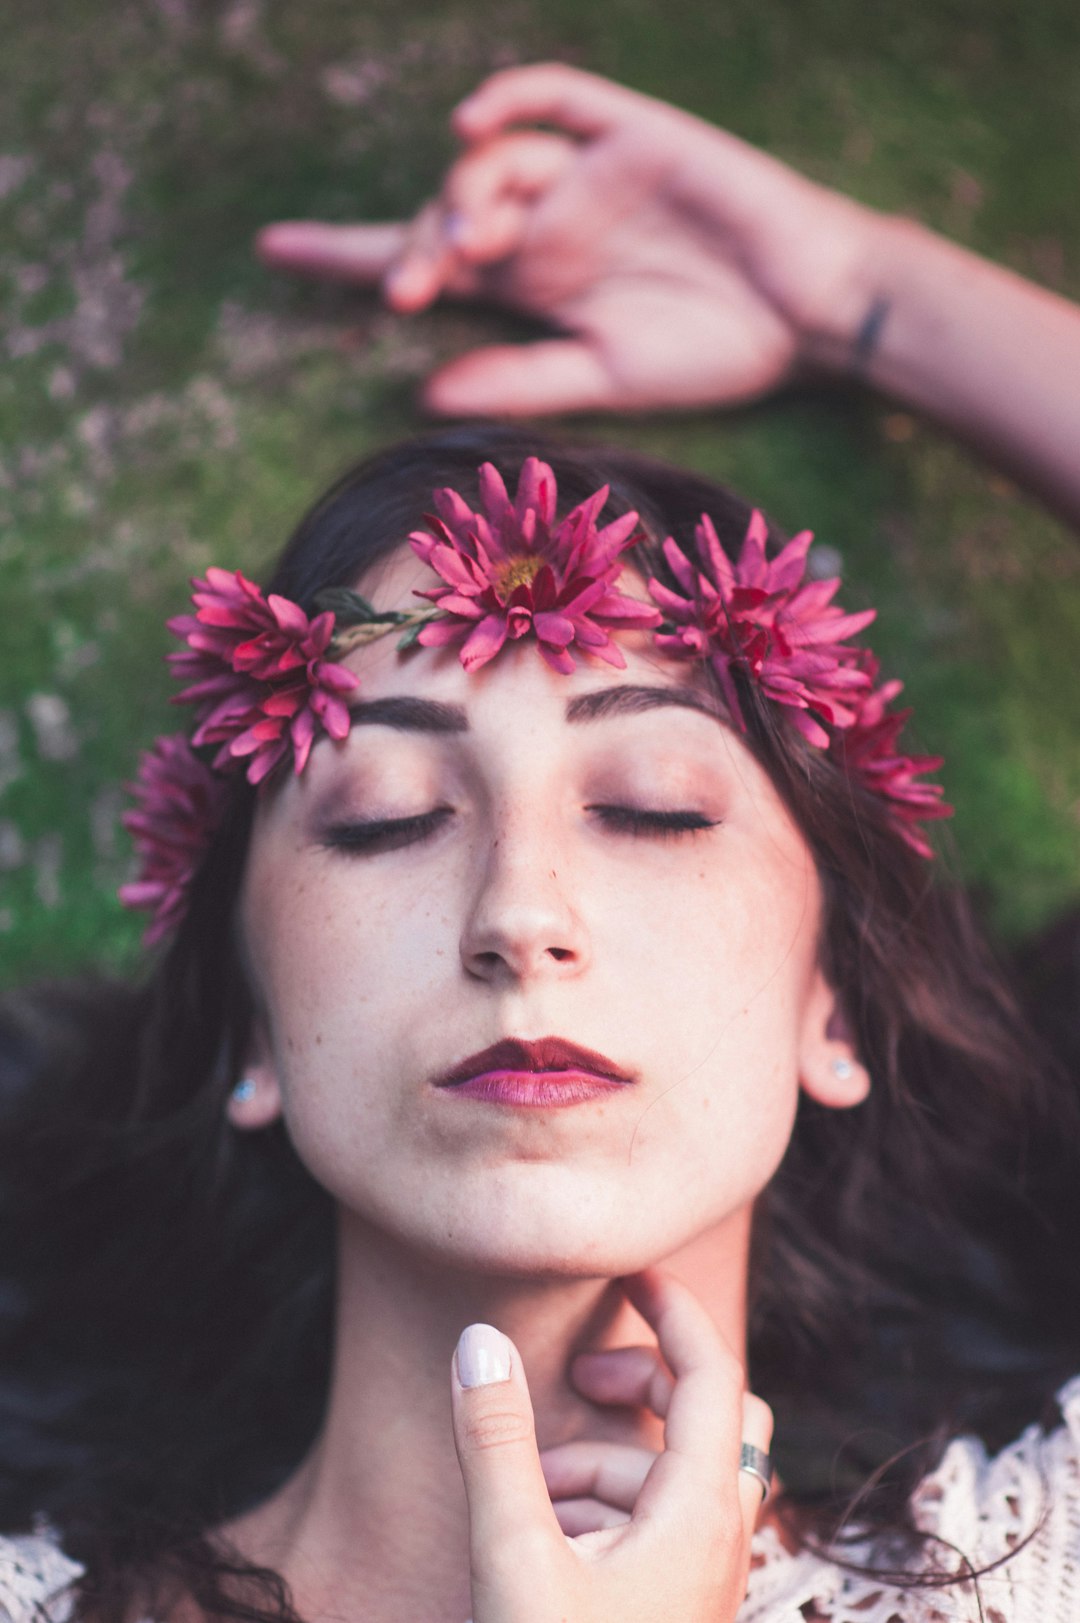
(984, 1507)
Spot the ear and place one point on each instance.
(255, 1098)
(830, 1069)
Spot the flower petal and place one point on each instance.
(554, 628)
(437, 633)
(558, 658)
(484, 642)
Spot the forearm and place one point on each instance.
(975, 346)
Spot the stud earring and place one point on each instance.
(842, 1069)
(244, 1091)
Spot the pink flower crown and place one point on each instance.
(265, 682)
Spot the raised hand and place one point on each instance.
(678, 265)
(685, 1550)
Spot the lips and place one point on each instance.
(548, 1055)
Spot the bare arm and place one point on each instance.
(988, 354)
(681, 267)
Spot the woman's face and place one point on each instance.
(517, 854)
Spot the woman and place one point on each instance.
(591, 930)
(479, 1023)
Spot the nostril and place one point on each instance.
(560, 953)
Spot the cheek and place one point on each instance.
(713, 1135)
(317, 985)
(344, 974)
(326, 940)
(312, 994)
(726, 972)
(731, 949)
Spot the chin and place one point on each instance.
(537, 1238)
(554, 1220)
(584, 1257)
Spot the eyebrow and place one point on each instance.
(632, 700)
(412, 715)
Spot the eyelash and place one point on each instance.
(665, 824)
(393, 833)
(388, 834)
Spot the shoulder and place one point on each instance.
(35, 1579)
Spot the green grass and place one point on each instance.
(195, 414)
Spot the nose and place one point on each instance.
(522, 924)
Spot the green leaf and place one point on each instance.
(411, 637)
(348, 608)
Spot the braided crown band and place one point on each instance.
(265, 679)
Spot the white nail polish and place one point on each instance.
(483, 1356)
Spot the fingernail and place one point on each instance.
(483, 1356)
(456, 229)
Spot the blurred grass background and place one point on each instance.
(165, 403)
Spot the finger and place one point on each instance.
(579, 1516)
(610, 1472)
(757, 1428)
(348, 253)
(488, 192)
(479, 217)
(425, 263)
(580, 103)
(520, 380)
(698, 1470)
(509, 1508)
(634, 1376)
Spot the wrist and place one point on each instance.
(845, 330)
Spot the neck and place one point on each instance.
(375, 1519)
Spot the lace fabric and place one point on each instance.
(35, 1579)
(1023, 1503)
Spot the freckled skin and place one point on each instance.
(688, 959)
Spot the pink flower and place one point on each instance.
(768, 620)
(255, 670)
(868, 751)
(509, 571)
(179, 804)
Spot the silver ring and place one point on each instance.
(756, 1463)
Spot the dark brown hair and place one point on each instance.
(166, 1284)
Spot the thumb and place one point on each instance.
(515, 380)
(510, 1513)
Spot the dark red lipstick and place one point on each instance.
(544, 1074)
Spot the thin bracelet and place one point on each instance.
(869, 333)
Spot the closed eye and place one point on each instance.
(370, 836)
(385, 833)
(638, 820)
